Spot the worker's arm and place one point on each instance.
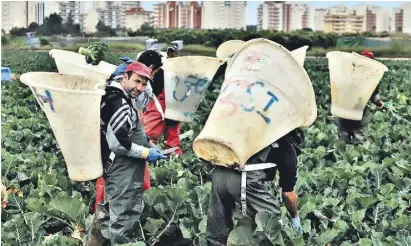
(290, 202)
(287, 168)
(375, 97)
(118, 128)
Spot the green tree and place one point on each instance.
(52, 25)
(33, 27)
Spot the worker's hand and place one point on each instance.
(382, 105)
(155, 155)
(120, 70)
(126, 59)
(297, 224)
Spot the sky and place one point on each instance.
(253, 5)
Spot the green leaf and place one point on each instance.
(404, 238)
(358, 216)
(154, 225)
(241, 236)
(327, 236)
(367, 201)
(386, 189)
(202, 226)
(270, 225)
(186, 226)
(59, 239)
(365, 242)
(34, 224)
(72, 208)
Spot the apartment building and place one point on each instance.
(270, 16)
(319, 16)
(223, 14)
(174, 14)
(112, 14)
(135, 17)
(396, 21)
(285, 16)
(406, 25)
(376, 18)
(17, 14)
(341, 19)
(51, 8)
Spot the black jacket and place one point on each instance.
(118, 121)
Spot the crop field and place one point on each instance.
(348, 195)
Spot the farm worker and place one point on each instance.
(153, 117)
(352, 131)
(172, 52)
(227, 188)
(139, 103)
(125, 150)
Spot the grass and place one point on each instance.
(396, 50)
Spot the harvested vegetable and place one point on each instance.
(94, 53)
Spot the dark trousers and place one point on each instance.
(116, 218)
(353, 131)
(226, 192)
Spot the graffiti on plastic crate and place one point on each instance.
(191, 84)
(232, 97)
(45, 98)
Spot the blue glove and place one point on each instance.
(122, 67)
(126, 59)
(297, 224)
(154, 155)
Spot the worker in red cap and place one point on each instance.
(352, 131)
(153, 118)
(125, 149)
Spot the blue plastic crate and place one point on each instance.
(5, 74)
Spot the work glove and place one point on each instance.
(297, 224)
(126, 59)
(122, 67)
(154, 154)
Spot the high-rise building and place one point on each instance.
(51, 8)
(135, 17)
(270, 16)
(285, 16)
(112, 14)
(396, 20)
(223, 14)
(376, 18)
(172, 14)
(340, 19)
(40, 12)
(406, 24)
(17, 14)
(319, 15)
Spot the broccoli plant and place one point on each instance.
(94, 53)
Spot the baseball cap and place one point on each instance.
(140, 69)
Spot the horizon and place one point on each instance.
(252, 6)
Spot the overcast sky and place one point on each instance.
(253, 5)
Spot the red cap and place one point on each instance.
(140, 69)
(368, 53)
